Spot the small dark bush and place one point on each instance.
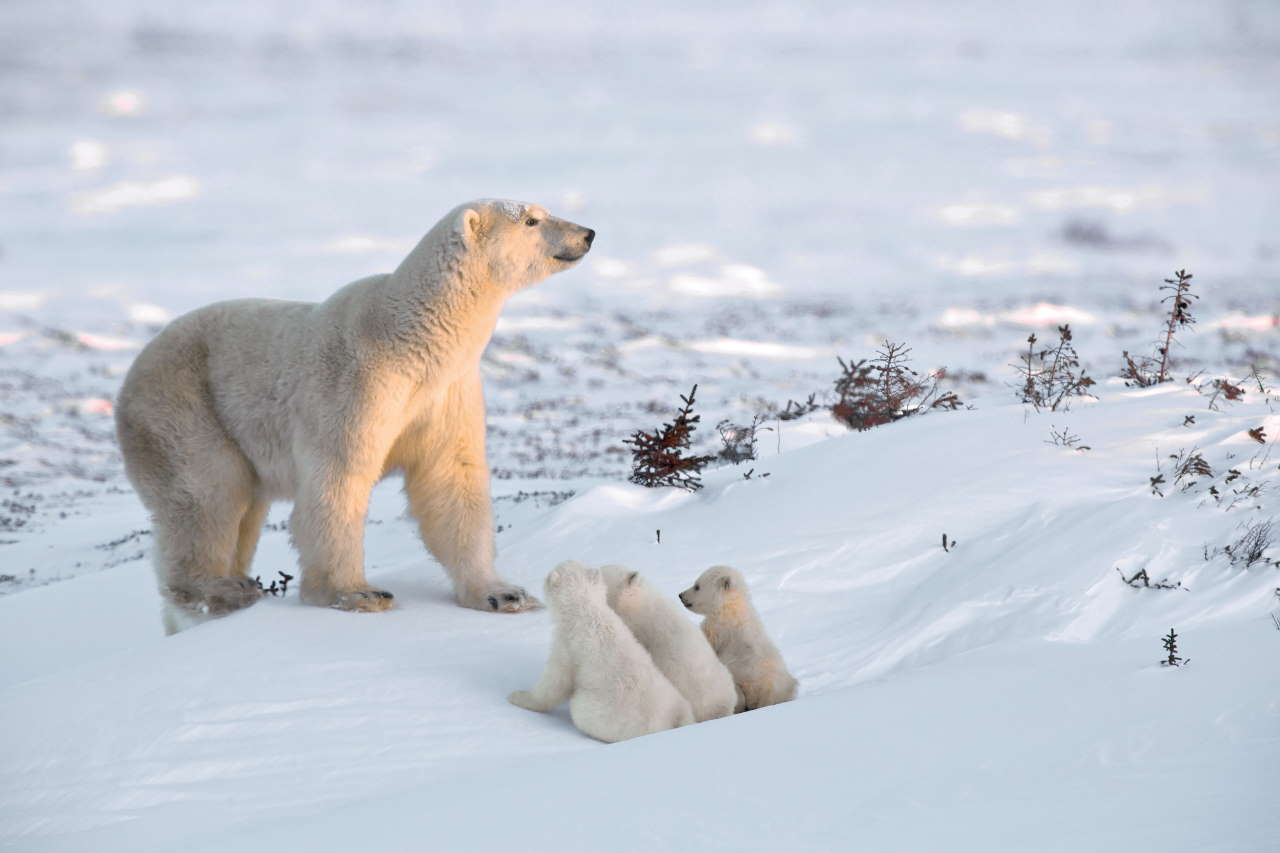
(1145, 371)
(738, 441)
(659, 458)
(1051, 376)
(885, 389)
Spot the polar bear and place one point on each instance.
(244, 402)
(615, 691)
(677, 647)
(736, 633)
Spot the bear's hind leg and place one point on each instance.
(196, 536)
(197, 530)
(250, 531)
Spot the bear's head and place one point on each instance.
(519, 244)
(712, 589)
(626, 589)
(572, 581)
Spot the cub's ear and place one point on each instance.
(468, 226)
(631, 578)
(727, 582)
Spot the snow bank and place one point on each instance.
(1004, 694)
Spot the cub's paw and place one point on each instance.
(500, 598)
(366, 600)
(524, 699)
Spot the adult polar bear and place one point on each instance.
(248, 401)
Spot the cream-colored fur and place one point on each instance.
(736, 633)
(615, 691)
(244, 402)
(677, 647)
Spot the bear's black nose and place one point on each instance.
(591, 235)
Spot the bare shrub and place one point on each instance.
(1052, 375)
(1144, 371)
(738, 441)
(794, 410)
(1065, 438)
(1188, 464)
(1252, 546)
(1141, 580)
(1224, 389)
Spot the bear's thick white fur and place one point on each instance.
(734, 630)
(678, 648)
(615, 691)
(244, 402)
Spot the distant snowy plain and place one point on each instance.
(772, 188)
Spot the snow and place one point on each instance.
(1008, 690)
(771, 189)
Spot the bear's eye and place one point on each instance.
(695, 587)
(531, 222)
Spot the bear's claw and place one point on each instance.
(503, 598)
(364, 600)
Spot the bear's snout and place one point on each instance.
(591, 235)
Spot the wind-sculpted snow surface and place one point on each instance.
(1004, 693)
(953, 176)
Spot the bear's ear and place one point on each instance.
(727, 582)
(631, 578)
(468, 226)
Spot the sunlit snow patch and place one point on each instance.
(21, 300)
(1248, 323)
(1047, 314)
(978, 214)
(105, 342)
(1040, 314)
(1004, 124)
(525, 324)
(134, 194)
(149, 315)
(774, 134)
(361, 244)
(87, 154)
(609, 267)
(975, 265)
(685, 253)
(95, 406)
(1113, 198)
(734, 280)
(124, 102)
(757, 349)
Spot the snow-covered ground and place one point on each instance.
(772, 188)
(1005, 693)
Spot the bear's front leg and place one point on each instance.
(327, 528)
(455, 519)
(449, 496)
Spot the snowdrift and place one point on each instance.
(1003, 694)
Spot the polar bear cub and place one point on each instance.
(614, 690)
(734, 630)
(676, 645)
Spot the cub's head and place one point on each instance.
(625, 588)
(712, 589)
(520, 244)
(572, 581)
